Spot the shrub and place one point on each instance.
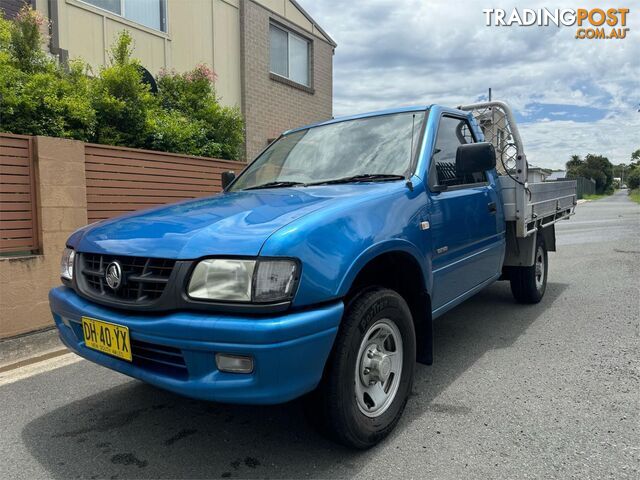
(121, 100)
(633, 180)
(174, 133)
(27, 39)
(43, 103)
(38, 96)
(219, 130)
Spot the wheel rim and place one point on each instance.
(378, 368)
(539, 268)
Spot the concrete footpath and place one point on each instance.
(30, 348)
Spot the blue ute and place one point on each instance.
(319, 269)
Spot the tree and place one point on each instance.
(575, 162)
(597, 167)
(633, 180)
(633, 177)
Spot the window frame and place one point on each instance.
(433, 181)
(164, 17)
(287, 79)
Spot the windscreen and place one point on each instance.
(380, 145)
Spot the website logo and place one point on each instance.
(594, 23)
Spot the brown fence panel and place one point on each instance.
(18, 208)
(121, 180)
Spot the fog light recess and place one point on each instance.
(234, 363)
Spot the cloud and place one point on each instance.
(421, 52)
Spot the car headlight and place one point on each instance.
(237, 280)
(66, 263)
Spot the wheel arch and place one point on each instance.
(396, 266)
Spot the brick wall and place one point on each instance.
(271, 106)
(62, 208)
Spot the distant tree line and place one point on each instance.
(603, 172)
(630, 174)
(596, 167)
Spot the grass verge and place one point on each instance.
(595, 196)
(635, 195)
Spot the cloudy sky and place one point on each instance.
(570, 96)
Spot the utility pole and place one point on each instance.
(489, 93)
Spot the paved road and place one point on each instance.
(544, 391)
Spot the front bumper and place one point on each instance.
(176, 351)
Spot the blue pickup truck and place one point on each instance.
(320, 268)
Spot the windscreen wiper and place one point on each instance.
(281, 184)
(363, 177)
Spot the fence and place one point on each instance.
(584, 186)
(120, 180)
(50, 187)
(18, 217)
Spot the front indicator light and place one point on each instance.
(274, 280)
(234, 363)
(66, 263)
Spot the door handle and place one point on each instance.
(492, 207)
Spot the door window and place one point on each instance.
(453, 132)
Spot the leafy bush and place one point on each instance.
(633, 180)
(38, 96)
(42, 103)
(174, 133)
(219, 130)
(121, 100)
(26, 39)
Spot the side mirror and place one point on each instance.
(474, 158)
(226, 178)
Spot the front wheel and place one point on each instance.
(370, 372)
(528, 284)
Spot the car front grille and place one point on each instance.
(143, 279)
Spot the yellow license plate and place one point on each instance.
(107, 337)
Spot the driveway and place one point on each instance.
(549, 390)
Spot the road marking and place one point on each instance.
(47, 365)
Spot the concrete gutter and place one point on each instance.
(34, 347)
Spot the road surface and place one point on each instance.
(544, 391)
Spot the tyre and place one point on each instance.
(528, 284)
(370, 372)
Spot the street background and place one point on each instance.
(541, 391)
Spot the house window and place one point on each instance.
(150, 13)
(289, 55)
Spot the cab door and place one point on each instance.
(467, 228)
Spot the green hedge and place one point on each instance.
(38, 96)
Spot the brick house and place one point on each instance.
(272, 59)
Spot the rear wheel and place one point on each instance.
(528, 284)
(370, 372)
